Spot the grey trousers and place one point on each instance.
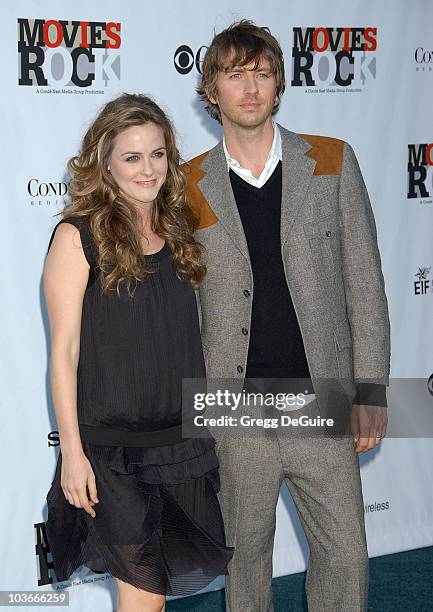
(322, 475)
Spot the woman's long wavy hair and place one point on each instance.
(113, 222)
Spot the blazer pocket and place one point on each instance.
(343, 336)
(324, 241)
(343, 349)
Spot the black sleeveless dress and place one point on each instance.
(158, 524)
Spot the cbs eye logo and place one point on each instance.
(430, 385)
(185, 59)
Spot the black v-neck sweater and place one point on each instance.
(276, 348)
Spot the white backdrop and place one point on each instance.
(157, 49)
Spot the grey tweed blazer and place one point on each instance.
(330, 256)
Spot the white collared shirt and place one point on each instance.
(274, 156)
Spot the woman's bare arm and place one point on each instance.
(65, 279)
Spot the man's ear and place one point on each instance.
(212, 97)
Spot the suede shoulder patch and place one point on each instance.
(195, 198)
(327, 152)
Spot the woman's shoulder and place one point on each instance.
(83, 226)
(80, 223)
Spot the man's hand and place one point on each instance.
(368, 425)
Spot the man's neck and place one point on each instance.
(249, 146)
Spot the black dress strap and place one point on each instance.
(87, 243)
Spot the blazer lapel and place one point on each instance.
(216, 188)
(297, 172)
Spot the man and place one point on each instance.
(294, 290)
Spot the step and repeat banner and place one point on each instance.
(360, 70)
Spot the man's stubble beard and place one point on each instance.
(240, 123)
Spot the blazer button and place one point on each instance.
(246, 293)
(240, 369)
(245, 331)
(328, 233)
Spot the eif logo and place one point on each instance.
(422, 285)
(68, 53)
(419, 168)
(333, 56)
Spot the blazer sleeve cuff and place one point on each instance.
(370, 394)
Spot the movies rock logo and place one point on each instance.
(42, 549)
(420, 173)
(68, 54)
(327, 60)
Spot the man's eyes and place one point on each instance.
(260, 75)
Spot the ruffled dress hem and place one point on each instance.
(158, 523)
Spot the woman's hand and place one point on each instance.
(78, 482)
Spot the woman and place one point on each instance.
(130, 496)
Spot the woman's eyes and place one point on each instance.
(157, 154)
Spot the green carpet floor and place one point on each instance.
(399, 582)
